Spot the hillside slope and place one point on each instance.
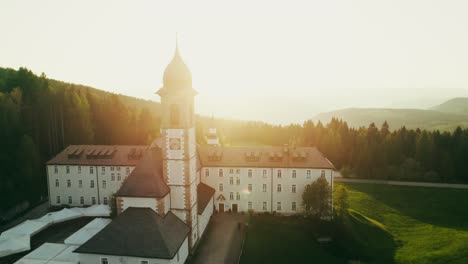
(396, 118)
(457, 105)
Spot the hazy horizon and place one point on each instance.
(253, 61)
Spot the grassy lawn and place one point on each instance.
(386, 224)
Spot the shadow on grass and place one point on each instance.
(436, 206)
(281, 239)
(363, 239)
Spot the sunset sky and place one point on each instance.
(279, 62)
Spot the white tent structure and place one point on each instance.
(12, 245)
(51, 253)
(17, 239)
(88, 231)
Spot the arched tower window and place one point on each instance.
(174, 115)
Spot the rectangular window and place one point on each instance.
(231, 180)
(68, 169)
(278, 206)
(55, 169)
(238, 180)
(70, 200)
(309, 174)
(117, 168)
(249, 206)
(112, 177)
(104, 184)
(112, 168)
(231, 196)
(91, 170)
(104, 261)
(127, 170)
(144, 262)
(249, 173)
(293, 188)
(119, 177)
(237, 171)
(58, 199)
(264, 206)
(68, 183)
(293, 206)
(322, 173)
(103, 170)
(279, 174)
(231, 171)
(278, 188)
(207, 172)
(81, 200)
(80, 183)
(93, 200)
(91, 184)
(264, 187)
(79, 169)
(249, 187)
(221, 187)
(264, 173)
(105, 200)
(57, 183)
(237, 196)
(294, 174)
(220, 172)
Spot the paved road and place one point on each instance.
(222, 241)
(403, 183)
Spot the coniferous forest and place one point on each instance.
(39, 117)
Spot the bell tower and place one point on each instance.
(179, 146)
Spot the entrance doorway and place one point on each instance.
(234, 208)
(221, 208)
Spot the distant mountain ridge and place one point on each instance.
(444, 117)
(457, 105)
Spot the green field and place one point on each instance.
(386, 224)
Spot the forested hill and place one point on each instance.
(39, 117)
(457, 105)
(410, 118)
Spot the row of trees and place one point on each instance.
(368, 152)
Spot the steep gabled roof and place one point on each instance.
(99, 155)
(263, 157)
(146, 180)
(204, 193)
(139, 232)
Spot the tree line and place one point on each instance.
(39, 117)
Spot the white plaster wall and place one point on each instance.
(177, 197)
(112, 186)
(257, 196)
(167, 204)
(176, 172)
(139, 202)
(181, 214)
(204, 218)
(96, 259)
(192, 142)
(75, 191)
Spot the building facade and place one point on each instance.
(176, 182)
